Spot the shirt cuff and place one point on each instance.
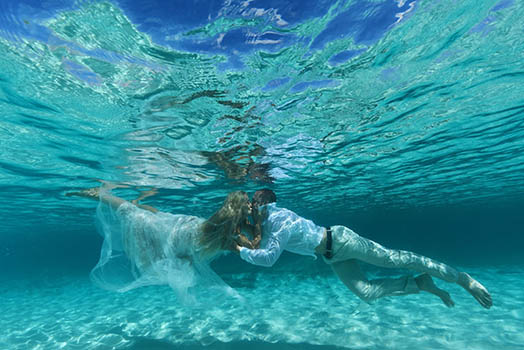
(244, 252)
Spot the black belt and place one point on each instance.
(329, 244)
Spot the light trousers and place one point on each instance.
(348, 247)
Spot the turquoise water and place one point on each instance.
(403, 120)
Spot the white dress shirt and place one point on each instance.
(283, 230)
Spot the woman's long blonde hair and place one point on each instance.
(219, 230)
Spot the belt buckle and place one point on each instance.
(329, 244)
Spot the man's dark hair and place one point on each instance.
(264, 196)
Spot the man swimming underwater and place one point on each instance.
(342, 248)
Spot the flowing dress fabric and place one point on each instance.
(143, 248)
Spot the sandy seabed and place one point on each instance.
(280, 311)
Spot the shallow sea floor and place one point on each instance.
(282, 311)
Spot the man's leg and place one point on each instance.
(352, 276)
(353, 246)
(357, 247)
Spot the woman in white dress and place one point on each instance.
(144, 246)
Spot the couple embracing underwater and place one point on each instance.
(144, 246)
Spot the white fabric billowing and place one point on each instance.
(143, 248)
(283, 230)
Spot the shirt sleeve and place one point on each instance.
(267, 256)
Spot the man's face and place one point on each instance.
(255, 204)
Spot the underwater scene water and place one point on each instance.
(401, 119)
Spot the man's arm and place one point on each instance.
(264, 257)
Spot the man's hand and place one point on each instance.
(234, 247)
(243, 241)
(256, 242)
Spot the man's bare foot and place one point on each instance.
(93, 193)
(476, 289)
(425, 283)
